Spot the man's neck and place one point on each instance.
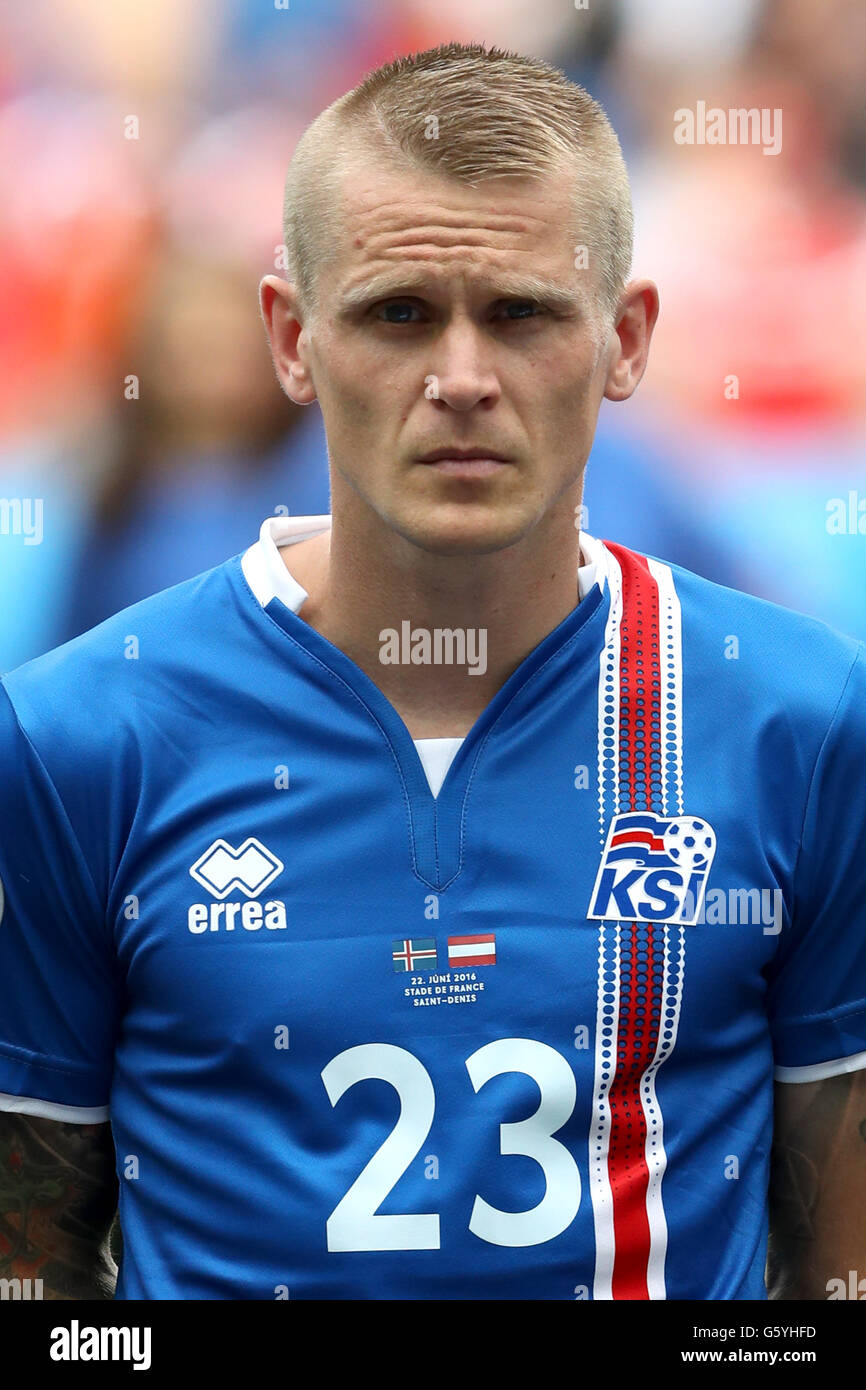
(502, 605)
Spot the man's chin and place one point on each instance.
(465, 530)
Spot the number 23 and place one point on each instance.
(354, 1225)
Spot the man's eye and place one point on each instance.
(522, 309)
(397, 311)
(400, 311)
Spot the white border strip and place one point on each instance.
(605, 1037)
(263, 567)
(670, 712)
(671, 707)
(608, 956)
(816, 1071)
(52, 1110)
(594, 571)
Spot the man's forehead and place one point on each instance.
(432, 230)
(401, 229)
(408, 196)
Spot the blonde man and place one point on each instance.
(435, 893)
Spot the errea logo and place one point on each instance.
(251, 869)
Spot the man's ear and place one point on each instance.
(287, 338)
(630, 338)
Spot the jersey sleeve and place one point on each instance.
(817, 984)
(58, 999)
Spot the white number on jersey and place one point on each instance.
(354, 1224)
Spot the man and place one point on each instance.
(384, 891)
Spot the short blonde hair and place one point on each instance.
(499, 114)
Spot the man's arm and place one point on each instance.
(58, 1196)
(817, 1186)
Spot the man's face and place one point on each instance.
(426, 336)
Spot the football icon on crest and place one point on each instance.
(691, 844)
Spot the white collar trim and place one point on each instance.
(267, 575)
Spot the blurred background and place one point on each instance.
(143, 436)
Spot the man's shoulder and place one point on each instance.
(755, 645)
(82, 684)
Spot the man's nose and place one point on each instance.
(462, 368)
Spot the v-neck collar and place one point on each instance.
(436, 822)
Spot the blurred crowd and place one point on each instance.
(143, 435)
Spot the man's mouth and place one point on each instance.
(471, 463)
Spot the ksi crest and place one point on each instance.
(654, 869)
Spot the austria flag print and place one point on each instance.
(471, 950)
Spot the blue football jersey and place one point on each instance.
(362, 1035)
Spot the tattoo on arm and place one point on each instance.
(817, 1186)
(58, 1198)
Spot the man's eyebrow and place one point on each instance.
(393, 283)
